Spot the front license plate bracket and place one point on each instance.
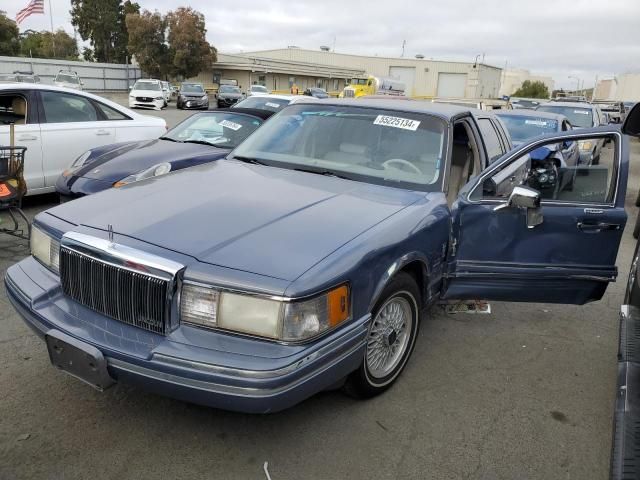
(78, 359)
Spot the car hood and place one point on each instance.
(264, 220)
(127, 158)
(193, 95)
(230, 95)
(146, 93)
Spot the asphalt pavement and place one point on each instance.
(526, 392)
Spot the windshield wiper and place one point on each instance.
(199, 142)
(327, 173)
(170, 139)
(254, 161)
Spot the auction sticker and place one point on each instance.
(232, 125)
(582, 112)
(397, 122)
(273, 105)
(540, 123)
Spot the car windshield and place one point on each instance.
(147, 86)
(579, 117)
(523, 127)
(219, 129)
(263, 103)
(186, 88)
(259, 88)
(383, 147)
(65, 77)
(228, 89)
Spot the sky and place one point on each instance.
(558, 38)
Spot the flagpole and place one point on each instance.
(53, 39)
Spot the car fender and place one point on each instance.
(398, 265)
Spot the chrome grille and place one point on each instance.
(130, 297)
(349, 93)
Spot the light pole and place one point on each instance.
(578, 82)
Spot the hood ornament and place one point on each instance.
(110, 231)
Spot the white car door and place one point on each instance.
(19, 107)
(71, 126)
(131, 129)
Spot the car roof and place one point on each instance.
(567, 104)
(531, 113)
(445, 111)
(254, 112)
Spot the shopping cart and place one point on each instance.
(12, 189)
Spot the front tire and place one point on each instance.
(390, 340)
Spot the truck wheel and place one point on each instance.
(390, 340)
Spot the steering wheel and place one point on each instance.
(401, 161)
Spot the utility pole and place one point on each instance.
(53, 38)
(404, 42)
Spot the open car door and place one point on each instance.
(532, 229)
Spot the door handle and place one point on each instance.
(103, 132)
(598, 227)
(26, 138)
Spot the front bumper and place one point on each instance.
(197, 103)
(191, 364)
(73, 187)
(155, 104)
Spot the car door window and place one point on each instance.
(491, 139)
(13, 109)
(111, 113)
(65, 108)
(583, 171)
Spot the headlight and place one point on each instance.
(585, 145)
(45, 249)
(288, 321)
(159, 98)
(205, 97)
(155, 171)
(132, 96)
(77, 163)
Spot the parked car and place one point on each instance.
(479, 103)
(57, 125)
(193, 95)
(203, 137)
(614, 110)
(228, 95)
(523, 103)
(581, 115)
(547, 161)
(18, 76)
(271, 102)
(258, 90)
(68, 79)
(625, 458)
(166, 91)
(316, 92)
(628, 106)
(308, 257)
(147, 94)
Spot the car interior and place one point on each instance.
(465, 160)
(13, 109)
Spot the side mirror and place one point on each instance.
(528, 198)
(631, 125)
(567, 144)
(130, 87)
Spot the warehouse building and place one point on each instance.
(279, 69)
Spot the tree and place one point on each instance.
(529, 89)
(9, 35)
(87, 54)
(174, 46)
(147, 42)
(102, 22)
(44, 44)
(189, 51)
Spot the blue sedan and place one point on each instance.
(201, 138)
(308, 257)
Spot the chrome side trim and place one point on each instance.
(221, 388)
(121, 256)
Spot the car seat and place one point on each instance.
(19, 107)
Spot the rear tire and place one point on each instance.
(390, 340)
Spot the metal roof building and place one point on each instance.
(422, 77)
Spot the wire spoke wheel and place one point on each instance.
(389, 336)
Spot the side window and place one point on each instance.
(111, 113)
(63, 107)
(491, 140)
(575, 172)
(13, 109)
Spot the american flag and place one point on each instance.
(35, 6)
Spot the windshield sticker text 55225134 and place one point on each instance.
(232, 125)
(397, 122)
